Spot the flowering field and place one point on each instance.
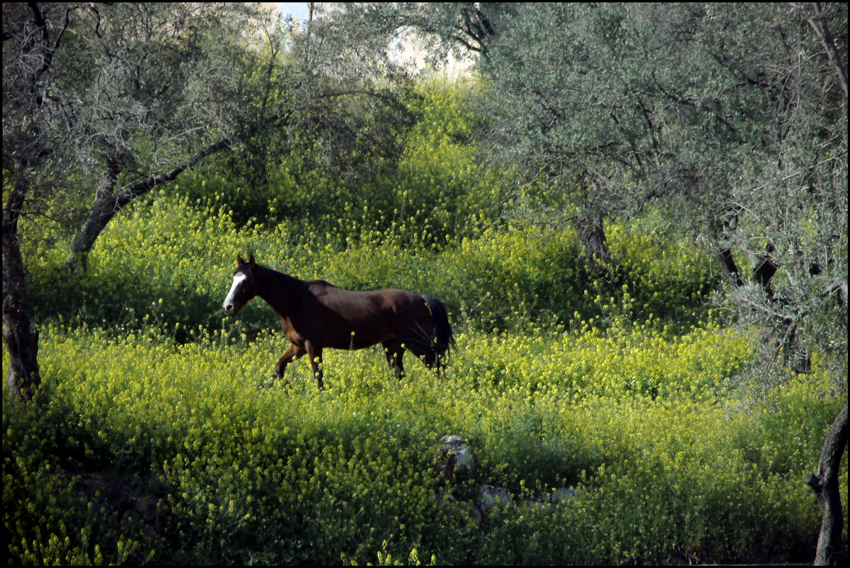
(165, 438)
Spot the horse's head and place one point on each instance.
(244, 286)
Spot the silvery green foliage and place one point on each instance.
(129, 89)
(351, 101)
(658, 101)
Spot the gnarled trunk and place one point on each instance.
(591, 233)
(20, 336)
(825, 486)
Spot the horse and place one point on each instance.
(315, 315)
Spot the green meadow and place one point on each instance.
(616, 406)
(167, 439)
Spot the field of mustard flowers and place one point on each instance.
(611, 411)
(164, 438)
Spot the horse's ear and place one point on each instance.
(239, 261)
(251, 261)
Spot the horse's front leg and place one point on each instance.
(291, 353)
(314, 352)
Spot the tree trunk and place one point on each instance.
(764, 270)
(825, 486)
(725, 257)
(592, 235)
(20, 336)
(102, 212)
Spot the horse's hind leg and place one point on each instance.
(291, 353)
(434, 362)
(395, 356)
(314, 352)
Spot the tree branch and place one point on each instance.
(829, 45)
(142, 187)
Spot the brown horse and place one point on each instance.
(315, 314)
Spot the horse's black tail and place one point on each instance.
(443, 339)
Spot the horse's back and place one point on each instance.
(344, 300)
(327, 293)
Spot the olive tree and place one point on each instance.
(359, 95)
(733, 120)
(102, 102)
(347, 124)
(729, 118)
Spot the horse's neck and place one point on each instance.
(279, 290)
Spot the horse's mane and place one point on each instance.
(274, 275)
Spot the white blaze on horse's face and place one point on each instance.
(229, 307)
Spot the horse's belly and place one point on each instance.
(361, 340)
